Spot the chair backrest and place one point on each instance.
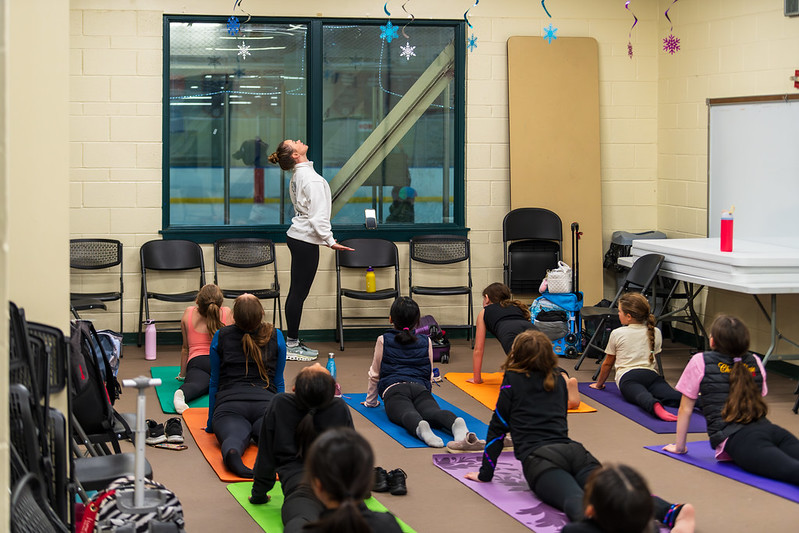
(377, 253)
(29, 509)
(532, 223)
(93, 254)
(643, 272)
(439, 249)
(172, 255)
(244, 253)
(54, 365)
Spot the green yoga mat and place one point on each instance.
(268, 515)
(166, 391)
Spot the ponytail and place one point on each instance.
(405, 316)
(252, 344)
(313, 391)
(209, 300)
(650, 333)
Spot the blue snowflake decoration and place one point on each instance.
(471, 43)
(549, 33)
(389, 32)
(671, 44)
(233, 26)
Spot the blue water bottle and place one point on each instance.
(331, 364)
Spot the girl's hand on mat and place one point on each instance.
(672, 448)
(259, 500)
(476, 381)
(473, 476)
(596, 386)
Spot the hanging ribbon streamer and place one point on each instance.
(409, 22)
(671, 44)
(385, 8)
(236, 4)
(630, 35)
(545, 8)
(466, 14)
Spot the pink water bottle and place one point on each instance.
(150, 341)
(726, 230)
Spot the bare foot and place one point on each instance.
(685, 522)
(574, 393)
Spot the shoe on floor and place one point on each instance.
(437, 376)
(179, 401)
(155, 432)
(470, 444)
(174, 430)
(381, 480)
(396, 482)
(301, 353)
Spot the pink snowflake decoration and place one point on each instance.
(630, 49)
(671, 44)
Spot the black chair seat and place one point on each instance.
(261, 294)
(382, 294)
(104, 296)
(598, 311)
(178, 297)
(441, 291)
(96, 473)
(84, 304)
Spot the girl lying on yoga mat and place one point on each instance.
(732, 382)
(247, 361)
(631, 349)
(532, 406)
(198, 325)
(401, 373)
(290, 425)
(505, 319)
(617, 500)
(340, 466)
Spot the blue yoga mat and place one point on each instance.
(701, 454)
(611, 397)
(378, 416)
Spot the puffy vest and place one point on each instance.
(404, 362)
(236, 369)
(715, 388)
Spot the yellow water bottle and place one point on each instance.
(371, 283)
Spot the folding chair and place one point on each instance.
(96, 255)
(532, 239)
(375, 253)
(443, 250)
(168, 257)
(249, 254)
(640, 278)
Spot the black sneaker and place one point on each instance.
(381, 480)
(174, 430)
(155, 432)
(396, 482)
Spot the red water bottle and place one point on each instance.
(726, 230)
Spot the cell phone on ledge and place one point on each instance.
(371, 218)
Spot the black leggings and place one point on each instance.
(767, 450)
(198, 376)
(644, 388)
(238, 421)
(407, 404)
(304, 262)
(300, 505)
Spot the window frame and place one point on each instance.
(314, 55)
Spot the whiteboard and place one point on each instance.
(753, 163)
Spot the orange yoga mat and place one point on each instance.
(487, 392)
(195, 419)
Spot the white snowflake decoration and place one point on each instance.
(407, 51)
(244, 50)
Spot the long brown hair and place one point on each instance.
(499, 293)
(745, 403)
(209, 302)
(248, 313)
(282, 156)
(532, 352)
(636, 305)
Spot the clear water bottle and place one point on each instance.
(331, 364)
(150, 341)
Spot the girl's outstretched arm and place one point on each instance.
(683, 419)
(479, 347)
(604, 371)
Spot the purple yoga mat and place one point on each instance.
(702, 455)
(612, 398)
(508, 490)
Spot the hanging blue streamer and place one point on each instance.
(545, 8)
(385, 8)
(466, 14)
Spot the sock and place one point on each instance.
(292, 343)
(459, 429)
(424, 432)
(662, 414)
(234, 464)
(180, 401)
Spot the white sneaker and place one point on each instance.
(301, 353)
(180, 401)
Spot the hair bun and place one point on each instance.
(273, 158)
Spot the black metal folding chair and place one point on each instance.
(532, 239)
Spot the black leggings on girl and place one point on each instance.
(767, 450)
(644, 388)
(236, 422)
(407, 404)
(304, 262)
(198, 376)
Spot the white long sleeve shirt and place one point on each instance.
(311, 197)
